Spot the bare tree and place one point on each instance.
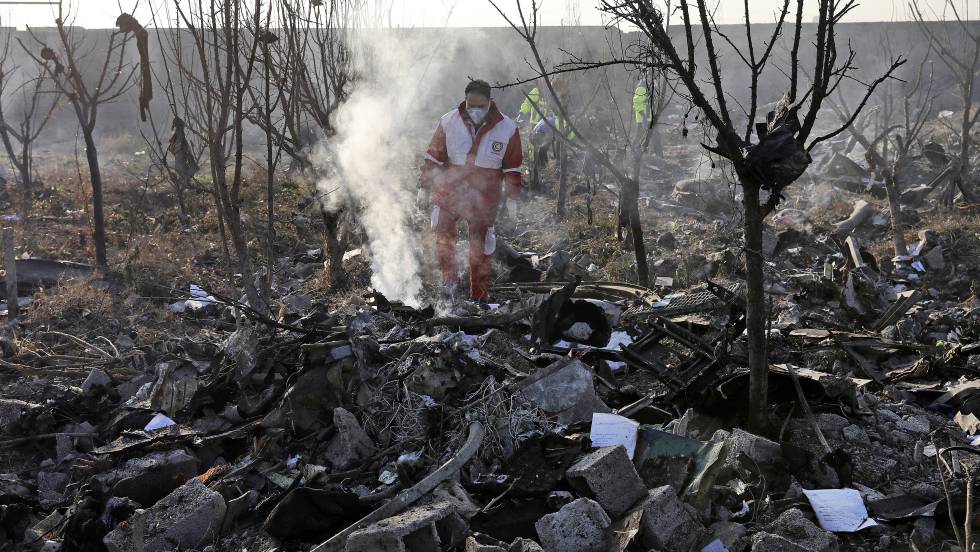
(958, 47)
(88, 84)
(526, 26)
(25, 109)
(309, 62)
(900, 117)
(780, 153)
(210, 97)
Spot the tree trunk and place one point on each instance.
(26, 182)
(270, 180)
(755, 308)
(562, 178)
(898, 230)
(180, 190)
(631, 204)
(334, 248)
(95, 175)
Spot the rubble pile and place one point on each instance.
(572, 414)
(569, 416)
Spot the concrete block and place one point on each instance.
(188, 518)
(668, 523)
(564, 389)
(768, 542)
(478, 542)
(759, 449)
(427, 528)
(793, 526)
(525, 545)
(608, 477)
(580, 526)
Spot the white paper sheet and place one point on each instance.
(839, 510)
(715, 546)
(612, 429)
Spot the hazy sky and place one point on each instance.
(469, 13)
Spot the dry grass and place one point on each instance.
(80, 305)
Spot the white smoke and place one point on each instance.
(374, 157)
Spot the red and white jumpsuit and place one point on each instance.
(463, 169)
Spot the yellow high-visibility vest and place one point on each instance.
(527, 107)
(641, 104)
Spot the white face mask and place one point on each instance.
(477, 114)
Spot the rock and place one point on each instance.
(351, 444)
(429, 528)
(887, 415)
(305, 270)
(185, 519)
(759, 449)
(579, 526)
(916, 425)
(96, 379)
(624, 530)
(564, 389)
(934, 258)
(793, 526)
(12, 412)
(855, 434)
(151, 477)
(923, 532)
(452, 492)
(767, 542)
(51, 488)
(64, 447)
(731, 534)
(608, 477)
(927, 491)
(901, 438)
(831, 423)
(478, 542)
(309, 401)
(668, 523)
(525, 545)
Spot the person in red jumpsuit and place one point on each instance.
(474, 149)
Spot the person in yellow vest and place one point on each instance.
(528, 113)
(644, 113)
(533, 109)
(642, 107)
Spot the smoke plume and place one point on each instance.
(374, 156)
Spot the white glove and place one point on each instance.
(489, 242)
(435, 216)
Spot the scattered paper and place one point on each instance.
(616, 365)
(839, 510)
(612, 429)
(619, 338)
(159, 421)
(715, 546)
(388, 477)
